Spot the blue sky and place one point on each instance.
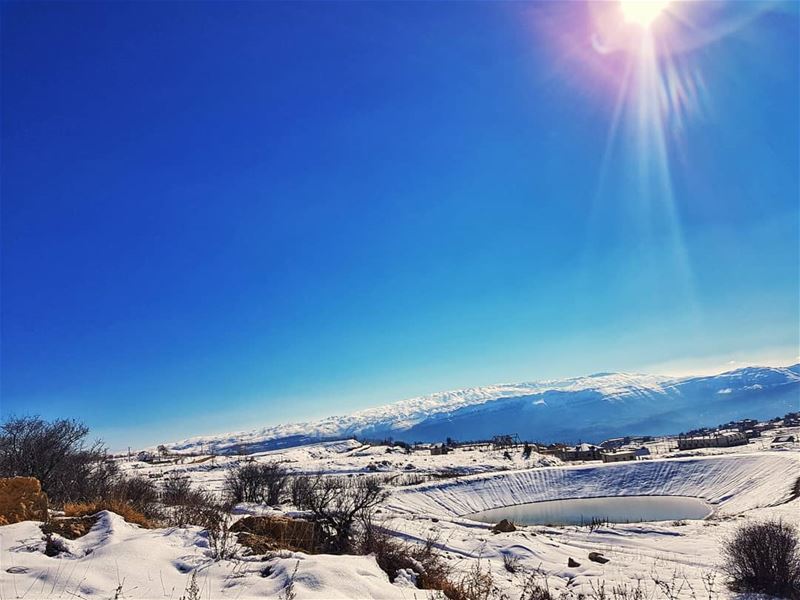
(224, 215)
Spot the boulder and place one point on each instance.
(22, 499)
(573, 563)
(598, 558)
(504, 526)
(278, 532)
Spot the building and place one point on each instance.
(722, 439)
(579, 452)
(792, 419)
(618, 456)
(439, 449)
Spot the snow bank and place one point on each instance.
(732, 483)
(158, 563)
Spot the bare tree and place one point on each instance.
(57, 454)
(256, 483)
(338, 502)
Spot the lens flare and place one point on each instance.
(642, 12)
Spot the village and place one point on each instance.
(776, 432)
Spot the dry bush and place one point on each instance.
(176, 491)
(57, 454)
(183, 504)
(69, 527)
(139, 492)
(433, 572)
(299, 489)
(192, 591)
(476, 584)
(764, 558)
(191, 511)
(263, 483)
(535, 587)
(392, 555)
(120, 507)
(511, 562)
(337, 503)
(216, 520)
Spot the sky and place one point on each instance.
(218, 216)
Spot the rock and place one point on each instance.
(70, 527)
(17, 570)
(598, 558)
(573, 563)
(275, 533)
(504, 526)
(22, 499)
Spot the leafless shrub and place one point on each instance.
(176, 491)
(625, 592)
(476, 584)
(192, 591)
(596, 523)
(141, 493)
(337, 502)
(298, 488)
(256, 483)
(763, 558)
(673, 587)
(535, 587)
(288, 592)
(54, 546)
(216, 520)
(393, 555)
(709, 579)
(409, 479)
(511, 562)
(57, 454)
(192, 509)
(598, 590)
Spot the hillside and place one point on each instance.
(585, 408)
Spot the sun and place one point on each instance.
(642, 12)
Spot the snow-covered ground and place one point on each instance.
(742, 484)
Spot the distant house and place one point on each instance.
(579, 452)
(439, 449)
(792, 419)
(723, 439)
(613, 443)
(618, 456)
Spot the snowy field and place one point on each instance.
(429, 497)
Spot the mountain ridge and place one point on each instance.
(589, 407)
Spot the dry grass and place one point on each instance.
(123, 509)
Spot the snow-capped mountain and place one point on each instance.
(584, 408)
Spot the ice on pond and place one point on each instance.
(614, 509)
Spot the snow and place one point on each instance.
(742, 484)
(733, 483)
(557, 410)
(158, 563)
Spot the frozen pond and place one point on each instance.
(614, 509)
